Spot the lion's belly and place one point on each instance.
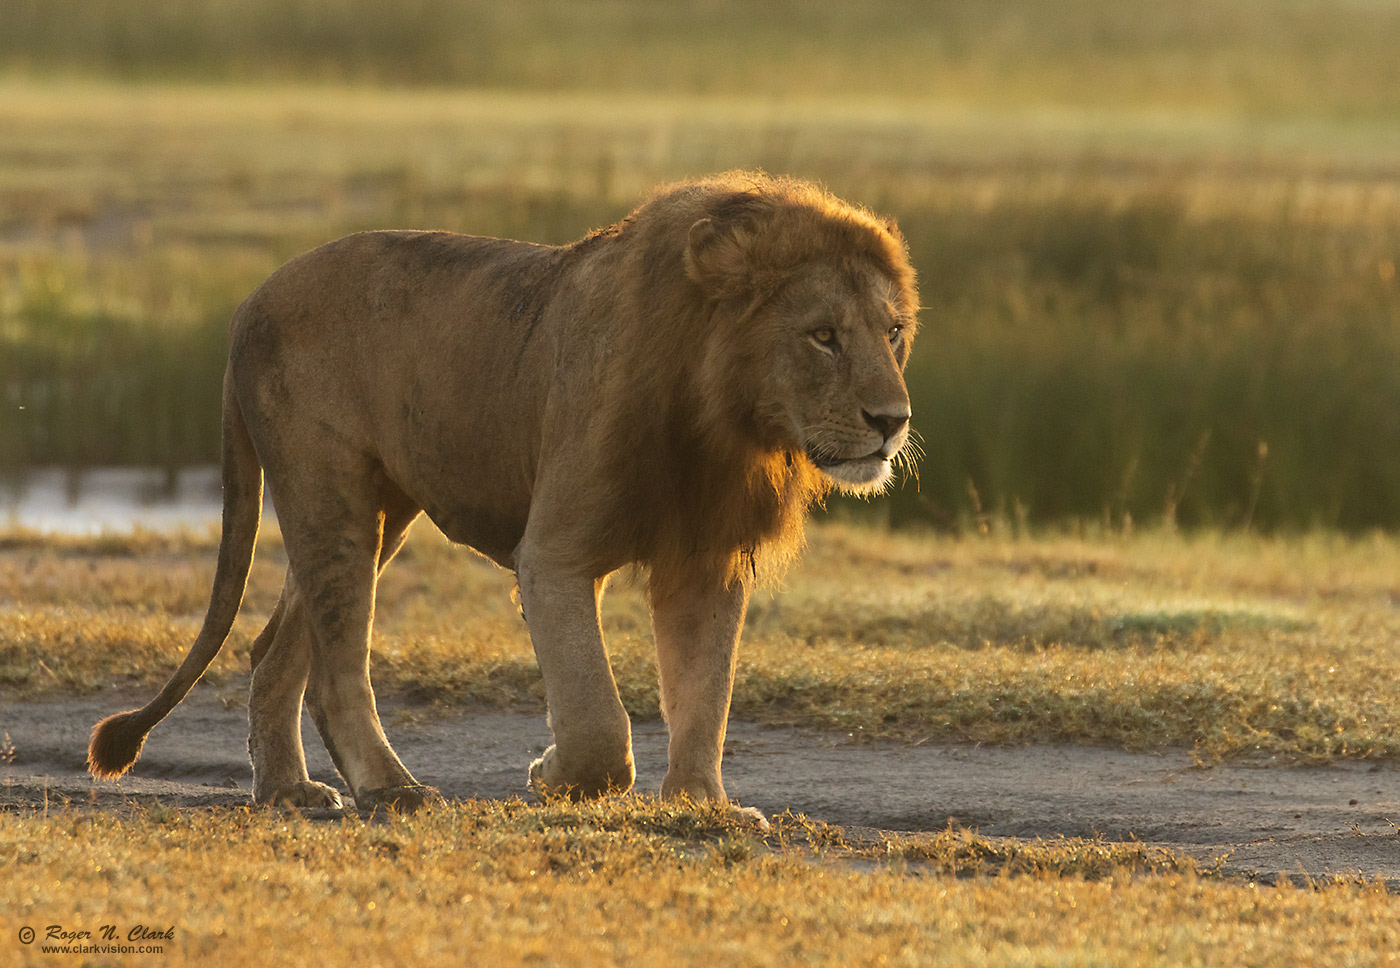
(492, 532)
(476, 493)
(461, 446)
(456, 459)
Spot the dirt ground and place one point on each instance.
(1267, 820)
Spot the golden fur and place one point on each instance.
(671, 392)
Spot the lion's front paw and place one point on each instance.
(402, 799)
(749, 816)
(551, 777)
(304, 795)
(701, 792)
(546, 779)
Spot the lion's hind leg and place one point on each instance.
(281, 661)
(399, 791)
(334, 545)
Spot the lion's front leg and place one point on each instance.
(697, 624)
(592, 751)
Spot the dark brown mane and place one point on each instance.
(692, 488)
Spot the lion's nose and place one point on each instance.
(887, 423)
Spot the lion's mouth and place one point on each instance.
(866, 474)
(827, 462)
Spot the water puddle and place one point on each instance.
(112, 500)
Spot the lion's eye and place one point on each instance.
(895, 332)
(826, 336)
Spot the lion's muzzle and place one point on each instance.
(889, 424)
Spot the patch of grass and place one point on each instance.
(1230, 647)
(966, 854)
(137, 543)
(84, 613)
(993, 620)
(634, 880)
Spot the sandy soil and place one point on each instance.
(1266, 820)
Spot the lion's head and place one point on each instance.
(757, 332)
(816, 307)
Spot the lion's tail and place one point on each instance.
(116, 741)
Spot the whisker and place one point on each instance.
(915, 445)
(910, 456)
(818, 448)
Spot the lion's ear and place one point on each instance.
(716, 258)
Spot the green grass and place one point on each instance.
(1229, 647)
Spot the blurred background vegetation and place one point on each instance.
(1157, 243)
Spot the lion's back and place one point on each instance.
(393, 285)
(423, 351)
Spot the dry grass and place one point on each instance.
(1235, 644)
(641, 882)
(1229, 646)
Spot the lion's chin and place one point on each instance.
(859, 475)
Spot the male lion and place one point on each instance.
(670, 392)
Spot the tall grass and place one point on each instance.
(1130, 357)
(1328, 56)
(1119, 341)
(86, 385)
(1082, 356)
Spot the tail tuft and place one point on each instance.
(116, 743)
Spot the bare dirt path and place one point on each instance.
(1267, 820)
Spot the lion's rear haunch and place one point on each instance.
(116, 744)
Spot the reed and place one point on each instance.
(1135, 358)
